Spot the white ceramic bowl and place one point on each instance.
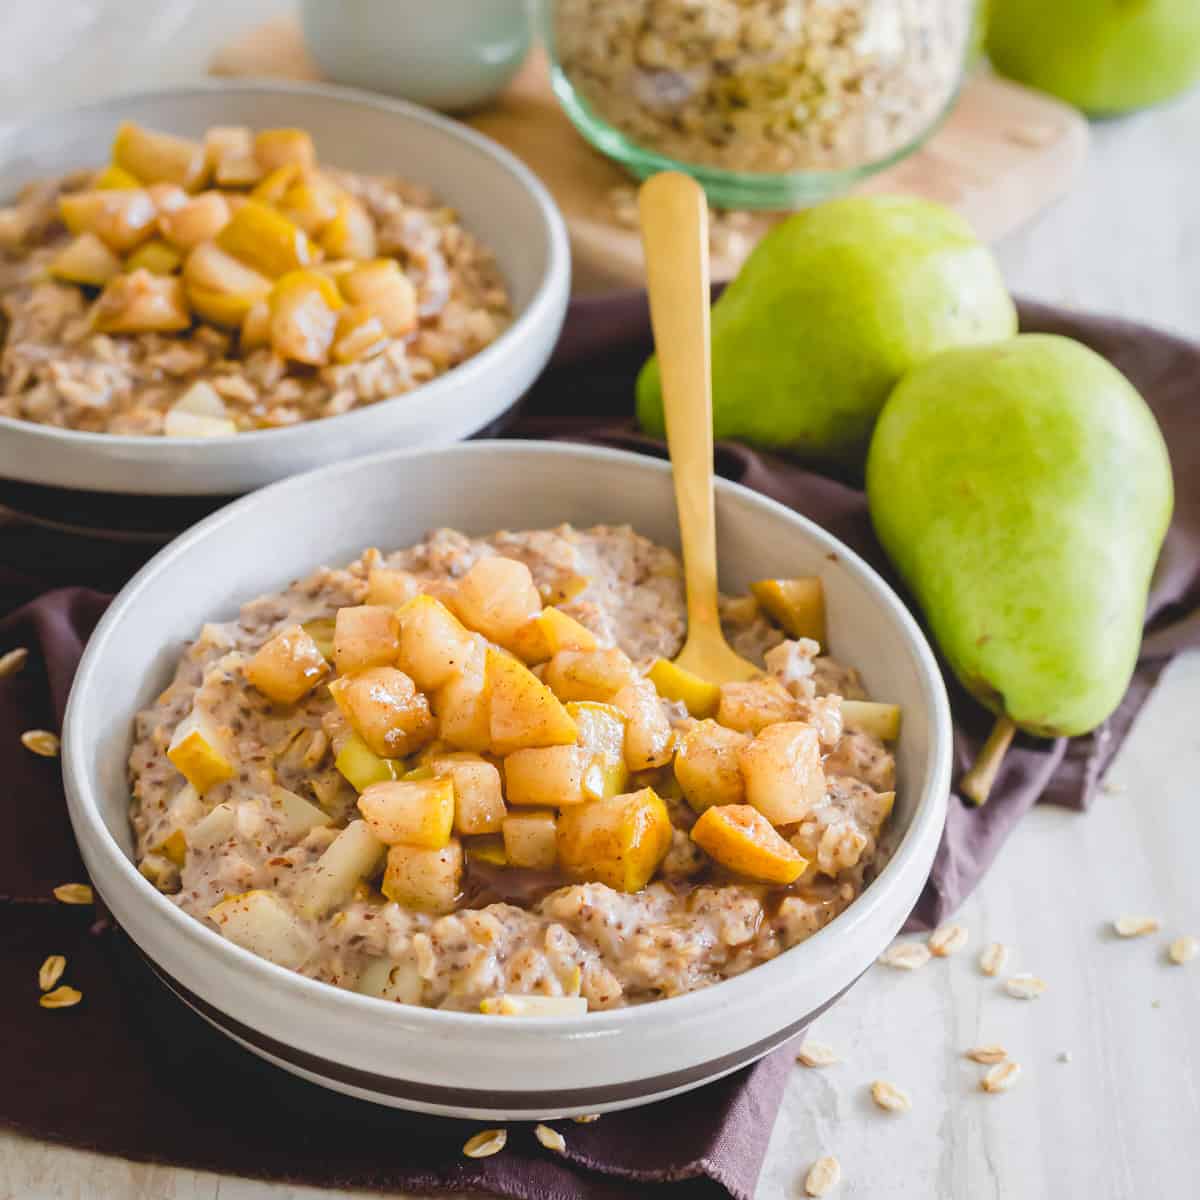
(498, 198)
(460, 1063)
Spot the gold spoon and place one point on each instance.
(674, 221)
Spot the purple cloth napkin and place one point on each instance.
(132, 1072)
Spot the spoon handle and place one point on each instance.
(674, 221)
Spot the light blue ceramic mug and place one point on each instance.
(448, 54)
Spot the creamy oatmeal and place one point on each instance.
(206, 289)
(466, 775)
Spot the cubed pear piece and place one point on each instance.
(174, 847)
(602, 732)
(288, 666)
(434, 646)
(365, 635)
(86, 260)
(564, 588)
(552, 776)
(386, 710)
(796, 605)
(531, 840)
(677, 683)
(166, 197)
(463, 702)
(741, 838)
(155, 256)
(275, 184)
(478, 796)
(159, 157)
(217, 826)
(217, 308)
(361, 766)
(496, 597)
(304, 315)
(208, 268)
(414, 812)
(360, 334)
(707, 765)
(321, 630)
(353, 856)
(589, 674)
(199, 220)
(384, 288)
(619, 840)
(189, 425)
(523, 711)
(394, 589)
(312, 202)
(141, 303)
(115, 178)
(120, 218)
(533, 1006)
(866, 716)
(266, 240)
(296, 814)
(649, 738)
(198, 751)
(425, 879)
(552, 630)
(351, 233)
(387, 979)
(755, 704)
(255, 332)
(200, 400)
(262, 923)
(281, 147)
(230, 153)
(487, 848)
(783, 773)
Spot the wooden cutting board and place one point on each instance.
(1003, 155)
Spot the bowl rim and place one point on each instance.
(541, 307)
(926, 823)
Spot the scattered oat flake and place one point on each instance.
(1025, 987)
(993, 957)
(61, 997)
(1112, 787)
(987, 1054)
(947, 940)
(1064, 1056)
(51, 971)
(74, 893)
(1130, 927)
(816, 1054)
(1001, 1077)
(13, 661)
(550, 1138)
(586, 1118)
(485, 1143)
(41, 742)
(1183, 949)
(823, 1176)
(889, 1097)
(907, 956)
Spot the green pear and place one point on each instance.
(1104, 56)
(1023, 491)
(833, 306)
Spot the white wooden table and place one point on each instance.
(1121, 1118)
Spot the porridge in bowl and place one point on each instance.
(466, 775)
(207, 288)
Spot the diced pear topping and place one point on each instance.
(121, 219)
(707, 766)
(755, 704)
(166, 197)
(796, 605)
(321, 630)
(387, 979)
(416, 812)
(386, 710)
(262, 923)
(297, 814)
(216, 827)
(304, 315)
(230, 153)
(649, 738)
(533, 1006)
(275, 184)
(478, 796)
(741, 838)
(217, 308)
(384, 288)
(183, 422)
(351, 233)
(678, 683)
(114, 178)
(488, 848)
(865, 716)
(256, 327)
(395, 589)
(266, 240)
(602, 732)
(155, 256)
(198, 220)
(288, 666)
(353, 856)
(426, 879)
(496, 597)
(366, 635)
(530, 839)
(783, 773)
(159, 157)
(174, 847)
(524, 712)
(210, 269)
(360, 334)
(312, 202)
(141, 303)
(552, 630)
(619, 840)
(552, 776)
(86, 260)
(463, 702)
(434, 645)
(197, 751)
(280, 147)
(589, 674)
(362, 767)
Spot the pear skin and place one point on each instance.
(1023, 491)
(833, 306)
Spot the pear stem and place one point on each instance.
(977, 782)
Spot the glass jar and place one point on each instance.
(768, 103)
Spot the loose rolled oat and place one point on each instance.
(905, 956)
(74, 893)
(13, 661)
(1025, 987)
(889, 1097)
(823, 1176)
(41, 742)
(947, 940)
(993, 957)
(1001, 1077)
(51, 971)
(1135, 926)
(485, 1143)
(61, 997)
(987, 1054)
(550, 1138)
(1183, 949)
(586, 1118)
(816, 1054)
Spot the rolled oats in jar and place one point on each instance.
(764, 86)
